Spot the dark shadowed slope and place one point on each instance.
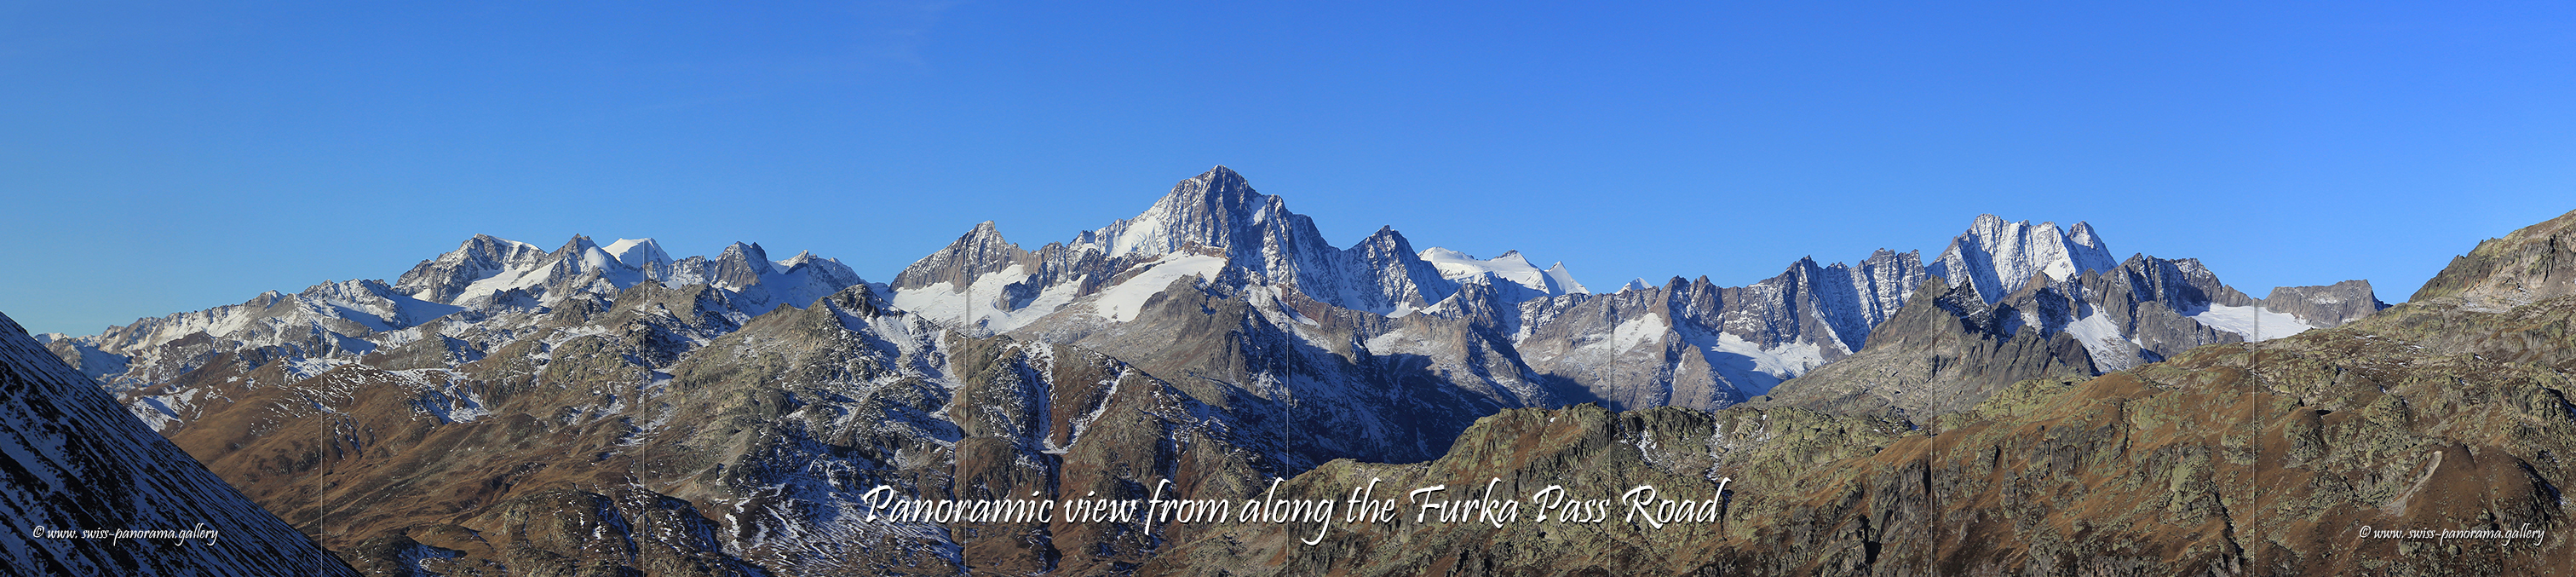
(75, 460)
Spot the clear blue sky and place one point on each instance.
(168, 157)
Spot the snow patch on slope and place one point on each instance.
(2102, 340)
(1633, 332)
(1781, 362)
(986, 302)
(2240, 320)
(1511, 267)
(1123, 302)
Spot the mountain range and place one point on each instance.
(502, 408)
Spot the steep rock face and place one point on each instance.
(2150, 308)
(2143, 310)
(982, 280)
(1693, 343)
(2533, 263)
(980, 252)
(1997, 256)
(988, 283)
(75, 461)
(445, 278)
(1257, 233)
(2326, 306)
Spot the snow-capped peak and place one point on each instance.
(1511, 266)
(638, 253)
(1217, 209)
(1998, 258)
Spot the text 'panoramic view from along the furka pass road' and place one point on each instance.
(1287, 288)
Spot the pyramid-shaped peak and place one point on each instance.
(1214, 209)
(1988, 222)
(984, 238)
(484, 246)
(749, 254)
(2083, 235)
(1219, 186)
(741, 265)
(638, 252)
(741, 249)
(983, 235)
(577, 245)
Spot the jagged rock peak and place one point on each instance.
(579, 244)
(1217, 208)
(441, 279)
(1995, 256)
(741, 265)
(980, 251)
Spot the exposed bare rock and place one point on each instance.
(2533, 263)
(1945, 351)
(2326, 306)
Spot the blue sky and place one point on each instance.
(159, 158)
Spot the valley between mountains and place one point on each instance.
(2023, 401)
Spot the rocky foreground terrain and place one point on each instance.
(91, 491)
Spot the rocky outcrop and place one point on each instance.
(2533, 263)
(2326, 306)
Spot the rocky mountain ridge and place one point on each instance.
(2429, 438)
(1550, 341)
(716, 415)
